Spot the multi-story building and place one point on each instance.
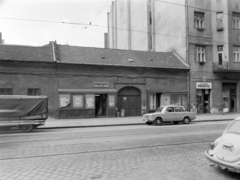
(205, 33)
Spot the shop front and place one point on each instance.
(87, 103)
(229, 97)
(157, 99)
(203, 97)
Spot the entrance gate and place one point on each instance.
(129, 100)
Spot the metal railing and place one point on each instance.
(219, 67)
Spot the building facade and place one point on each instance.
(84, 82)
(203, 32)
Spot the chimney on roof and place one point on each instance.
(56, 57)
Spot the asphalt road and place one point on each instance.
(169, 152)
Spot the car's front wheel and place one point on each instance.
(186, 120)
(158, 121)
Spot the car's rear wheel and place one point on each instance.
(186, 120)
(149, 123)
(175, 122)
(158, 121)
(27, 128)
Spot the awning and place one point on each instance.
(94, 91)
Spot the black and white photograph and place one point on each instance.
(119, 89)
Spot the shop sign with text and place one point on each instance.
(100, 84)
(204, 85)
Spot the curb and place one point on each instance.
(107, 125)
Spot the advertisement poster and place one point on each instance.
(90, 101)
(78, 101)
(64, 100)
(111, 101)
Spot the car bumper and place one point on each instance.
(222, 164)
(147, 120)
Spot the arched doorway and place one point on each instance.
(129, 99)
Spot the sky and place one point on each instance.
(34, 31)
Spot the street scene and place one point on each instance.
(119, 89)
(174, 152)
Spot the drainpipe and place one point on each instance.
(187, 54)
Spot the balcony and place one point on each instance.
(220, 67)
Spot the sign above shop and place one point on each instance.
(204, 85)
(101, 84)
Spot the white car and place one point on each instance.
(169, 113)
(224, 152)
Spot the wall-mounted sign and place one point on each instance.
(100, 84)
(204, 85)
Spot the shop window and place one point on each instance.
(64, 101)
(6, 91)
(152, 102)
(201, 54)
(199, 21)
(220, 55)
(34, 91)
(77, 101)
(236, 54)
(90, 101)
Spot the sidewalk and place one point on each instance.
(114, 121)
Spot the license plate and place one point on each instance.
(228, 148)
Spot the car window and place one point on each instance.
(159, 109)
(234, 127)
(170, 109)
(179, 109)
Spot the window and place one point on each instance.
(219, 21)
(34, 92)
(170, 109)
(236, 20)
(200, 54)
(6, 91)
(152, 102)
(236, 54)
(199, 20)
(220, 55)
(178, 109)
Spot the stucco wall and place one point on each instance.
(122, 24)
(170, 26)
(51, 77)
(139, 26)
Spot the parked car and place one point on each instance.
(224, 152)
(169, 113)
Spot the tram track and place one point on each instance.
(110, 150)
(90, 135)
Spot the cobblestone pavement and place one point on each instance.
(118, 154)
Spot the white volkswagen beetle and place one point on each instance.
(169, 113)
(224, 152)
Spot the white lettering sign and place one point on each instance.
(100, 84)
(204, 85)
